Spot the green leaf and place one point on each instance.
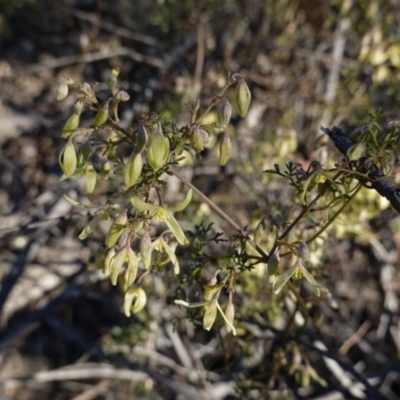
(80, 205)
(87, 230)
(183, 204)
(282, 279)
(142, 206)
(356, 151)
(313, 282)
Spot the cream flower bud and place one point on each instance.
(224, 149)
(102, 116)
(242, 98)
(141, 138)
(62, 91)
(197, 138)
(224, 112)
(133, 169)
(78, 107)
(157, 153)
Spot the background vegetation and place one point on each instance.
(63, 332)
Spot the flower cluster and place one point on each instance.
(92, 151)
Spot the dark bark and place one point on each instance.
(385, 187)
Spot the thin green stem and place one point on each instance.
(303, 212)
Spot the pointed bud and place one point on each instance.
(133, 169)
(68, 160)
(224, 149)
(224, 112)
(102, 116)
(71, 125)
(198, 138)
(242, 98)
(141, 138)
(62, 91)
(158, 150)
(210, 315)
(91, 178)
(105, 169)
